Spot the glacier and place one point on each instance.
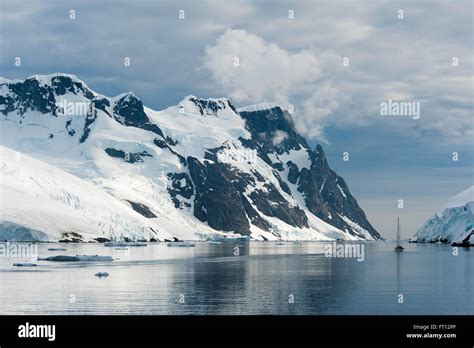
(453, 222)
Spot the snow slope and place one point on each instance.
(452, 223)
(52, 202)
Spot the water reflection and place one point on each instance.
(262, 278)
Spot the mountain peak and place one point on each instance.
(320, 157)
(39, 92)
(126, 97)
(318, 150)
(57, 83)
(273, 127)
(206, 107)
(130, 109)
(47, 79)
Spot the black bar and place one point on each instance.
(382, 331)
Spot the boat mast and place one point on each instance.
(398, 230)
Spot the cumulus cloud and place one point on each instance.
(251, 70)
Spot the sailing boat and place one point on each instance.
(399, 247)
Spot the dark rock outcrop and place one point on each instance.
(130, 157)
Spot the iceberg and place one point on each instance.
(101, 274)
(25, 264)
(77, 258)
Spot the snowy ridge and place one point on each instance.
(47, 79)
(459, 200)
(452, 223)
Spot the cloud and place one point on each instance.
(254, 70)
(251, 70)
(278, 137)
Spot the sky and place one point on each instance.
(333, 63)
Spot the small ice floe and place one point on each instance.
(77, 258)
(25, 264)
(60, 258)
(214, 242)
(101, 274)
(56, 249)
(181, 244)
(94, 258)
(121, 248)
(125, 244)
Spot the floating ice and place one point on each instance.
(24, 264)
(77, 258)
(181, 244)
(101, 274)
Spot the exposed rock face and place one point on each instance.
(142, 209)
(325, 193)
(33, 94)
(328, 197)
(129, 157)
(130, 112)
(211, 107)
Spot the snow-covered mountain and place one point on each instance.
(77, 165)
(452, 223)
